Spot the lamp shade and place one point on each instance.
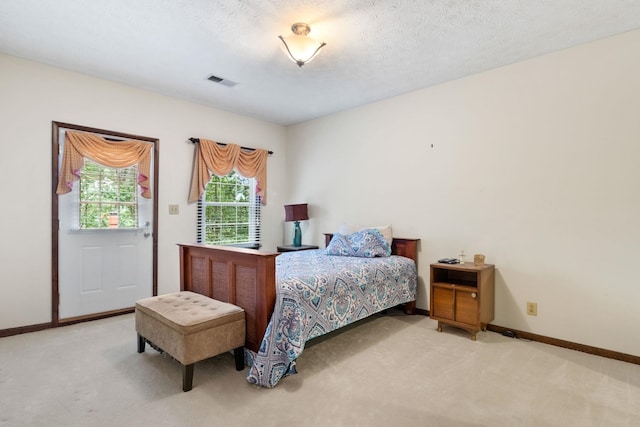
(296, 212)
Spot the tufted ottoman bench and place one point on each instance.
(190, 327)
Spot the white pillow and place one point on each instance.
(345, 229)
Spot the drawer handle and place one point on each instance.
(473, 294)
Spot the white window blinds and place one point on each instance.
(229, 212)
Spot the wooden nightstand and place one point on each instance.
(462, 296)
(291, 248)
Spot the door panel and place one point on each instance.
(442, 305)
(467, 307)
(102, 270)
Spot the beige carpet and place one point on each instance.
(385, 371)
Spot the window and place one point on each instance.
(229, 212)
(108, 197)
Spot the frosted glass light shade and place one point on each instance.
(300, 47)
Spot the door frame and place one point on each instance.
(55, 219)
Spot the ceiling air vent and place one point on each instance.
(223, 82)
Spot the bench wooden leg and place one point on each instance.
(140, 344)
(187, 377)
(239, 356)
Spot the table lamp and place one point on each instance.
(296, 213)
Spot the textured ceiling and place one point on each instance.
(375, 49)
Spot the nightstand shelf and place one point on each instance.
(462, 295)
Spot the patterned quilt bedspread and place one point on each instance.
(317, 294)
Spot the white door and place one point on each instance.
(106, 265)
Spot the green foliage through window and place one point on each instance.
(108, 196)
(229, 212)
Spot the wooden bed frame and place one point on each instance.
(247, 278)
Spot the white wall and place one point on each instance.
(534, 165)
(31, 97)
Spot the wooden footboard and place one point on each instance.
(244, 277)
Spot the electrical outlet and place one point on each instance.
(174, 209)
(532, 308)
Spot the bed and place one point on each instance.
(309, 294)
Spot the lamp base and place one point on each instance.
(297, 234)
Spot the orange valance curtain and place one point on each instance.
(212, 157)
(121, 154)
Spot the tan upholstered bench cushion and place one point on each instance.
(188, 312)
(190, 327)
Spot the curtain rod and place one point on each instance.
(197, 140)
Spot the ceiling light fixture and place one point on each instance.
(300, 47)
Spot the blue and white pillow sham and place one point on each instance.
(367, 243)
